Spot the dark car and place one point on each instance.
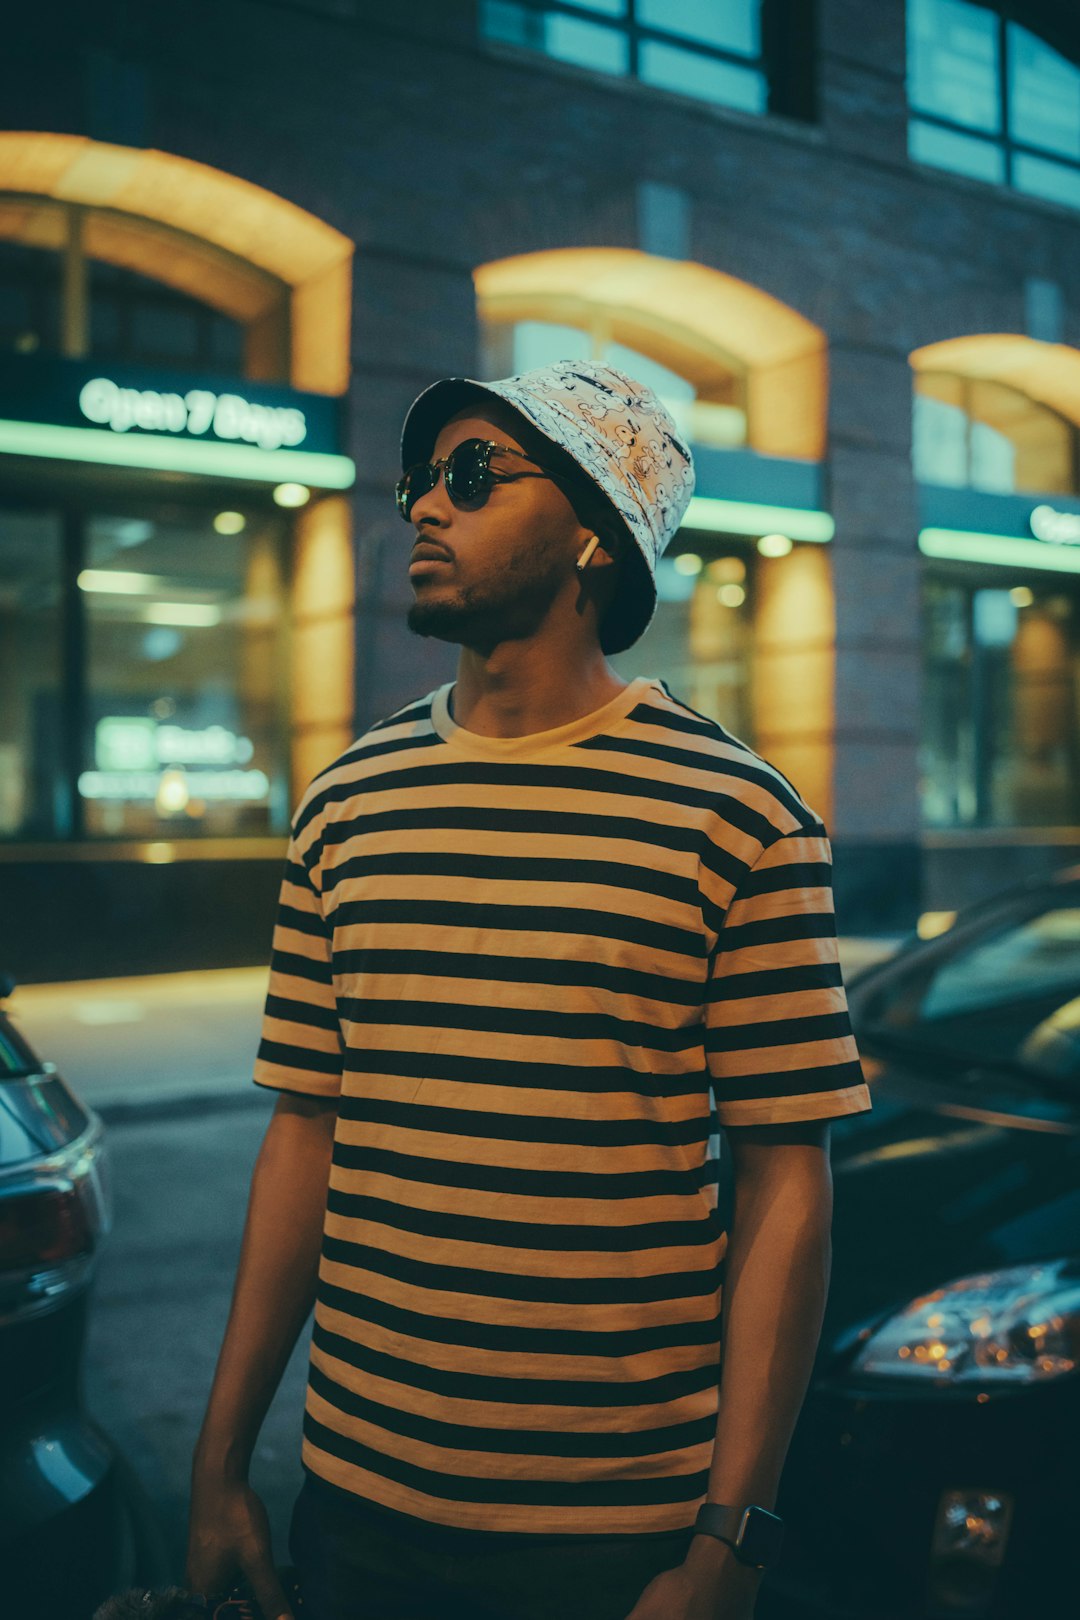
(74, 1524)
(933, 1471)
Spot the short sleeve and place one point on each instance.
(301, 1047)
(778, 1038)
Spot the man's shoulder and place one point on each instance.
(699, 751)
(406, 728)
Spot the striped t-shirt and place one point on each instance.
(541, 972)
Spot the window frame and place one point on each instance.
(1002, 140)
(787, 58)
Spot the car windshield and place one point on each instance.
(1007, 997)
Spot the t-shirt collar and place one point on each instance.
(534, 742)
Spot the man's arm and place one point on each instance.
(776, 1283)
(273, 1296)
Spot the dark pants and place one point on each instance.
(359, 1562)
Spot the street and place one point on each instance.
(161, 1301)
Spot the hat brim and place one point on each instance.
(432, 409)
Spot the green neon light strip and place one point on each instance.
(747, 517)
(962, 545)
(161, 454)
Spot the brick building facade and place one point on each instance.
(442, 155)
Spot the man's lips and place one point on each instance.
(427, 557)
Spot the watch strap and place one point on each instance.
(752, 1532)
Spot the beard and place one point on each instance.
(509, 606)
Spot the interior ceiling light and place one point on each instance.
(292, 495)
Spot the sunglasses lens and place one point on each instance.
(416, 482)
(466, 471)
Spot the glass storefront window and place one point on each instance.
(977, 433)
(185, 695)
(1001, 702)
(702, 635)
(33, 798)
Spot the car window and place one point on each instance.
(1037, 958)
(16, 1058)
(1010, 993)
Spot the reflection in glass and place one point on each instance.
(186, 720)
(701, 637)
(978, 433)
(1001, 703)
(730, 25)
(961, 154)
(1044, 95)
(953, 67)
(1051, 181)
(1009, 995)
(33, 801)
(705, 77)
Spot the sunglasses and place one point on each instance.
(470, 476)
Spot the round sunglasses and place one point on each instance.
(470, 476)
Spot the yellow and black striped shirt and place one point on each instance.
(541, 972)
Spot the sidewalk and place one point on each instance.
(179, 1039)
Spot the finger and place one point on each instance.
(269, 1593)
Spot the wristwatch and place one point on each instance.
(753, 1533)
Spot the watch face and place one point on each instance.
(760, 1535)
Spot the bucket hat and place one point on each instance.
(621, 436)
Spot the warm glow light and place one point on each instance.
(173, 793)
(727, 571)
(774, 545)
(230, 523)
(731, 595)
(292, 495)
(688, 562)
(186, 613)
(933, 923)
(1022, 595)
(115, 582)
(963, 545)
(750, 517)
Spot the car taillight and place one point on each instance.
(43, 1228)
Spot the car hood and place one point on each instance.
(942, 1179)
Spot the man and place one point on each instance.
(543, 934)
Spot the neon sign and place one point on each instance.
(199, 412)
(1059, 528)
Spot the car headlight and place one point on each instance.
(1019, 1325)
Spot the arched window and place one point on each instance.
(992, 99)
(981, 433)
(80, 282)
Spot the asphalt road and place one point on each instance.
(180, 1187)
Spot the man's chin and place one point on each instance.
(466, 627)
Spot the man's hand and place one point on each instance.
(710, 1585)
(229, 1537)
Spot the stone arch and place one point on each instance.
(220, 239)
(689, 317)
(1048, 373)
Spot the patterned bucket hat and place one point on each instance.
(622, 438)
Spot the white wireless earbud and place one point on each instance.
(587, 553)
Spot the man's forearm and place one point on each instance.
(776, 1284)
(275, 1281)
